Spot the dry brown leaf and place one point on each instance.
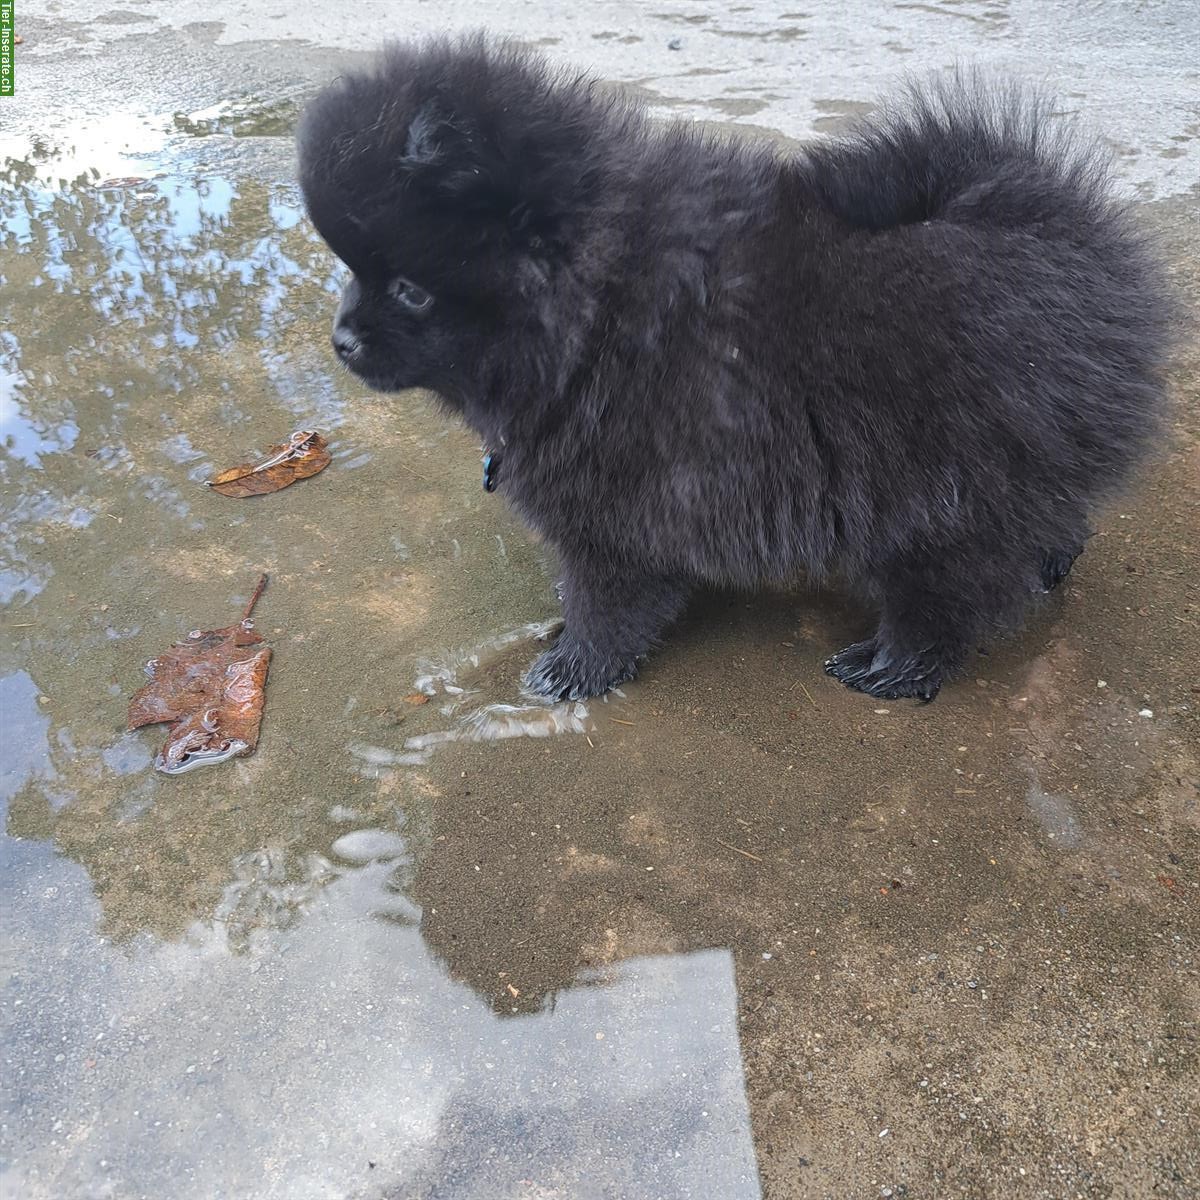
(211, 689)
(302, 455)
(416, 698)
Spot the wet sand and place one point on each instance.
(734, 932)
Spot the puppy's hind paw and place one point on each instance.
(568, 672)
(866, 668)
(1056, 566)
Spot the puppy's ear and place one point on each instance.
(425, 135)
(455, 162)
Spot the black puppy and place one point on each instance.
(913, 358)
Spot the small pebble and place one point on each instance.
(882, 712)
(1146, 712)
(1102, 683)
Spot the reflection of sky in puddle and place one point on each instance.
(26, 742)
(149, 1069)
(111, 287)
(117, 144)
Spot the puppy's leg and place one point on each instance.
(924, 636)
(613, 617)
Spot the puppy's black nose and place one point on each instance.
(345, 343)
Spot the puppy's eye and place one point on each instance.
(415, 298)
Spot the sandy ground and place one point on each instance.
(733, 933)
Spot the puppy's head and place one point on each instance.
(448, 179)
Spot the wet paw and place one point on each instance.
(567, 671)
(866, 668)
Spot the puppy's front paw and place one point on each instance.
(865, 668)
(569, 671)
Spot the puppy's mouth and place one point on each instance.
(352, 355)
(375, 380)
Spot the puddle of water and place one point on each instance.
(160, 319)
(250, 117)
(151, 1069)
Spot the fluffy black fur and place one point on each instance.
(914, 358)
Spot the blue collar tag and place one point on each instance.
(491, 471)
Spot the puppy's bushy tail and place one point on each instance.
(972, 150)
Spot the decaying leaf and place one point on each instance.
(302, 455)
(211, 689)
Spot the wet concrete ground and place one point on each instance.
(736, 932)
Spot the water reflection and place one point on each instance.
(26, 736)
(106, 296)
(151, 1069)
